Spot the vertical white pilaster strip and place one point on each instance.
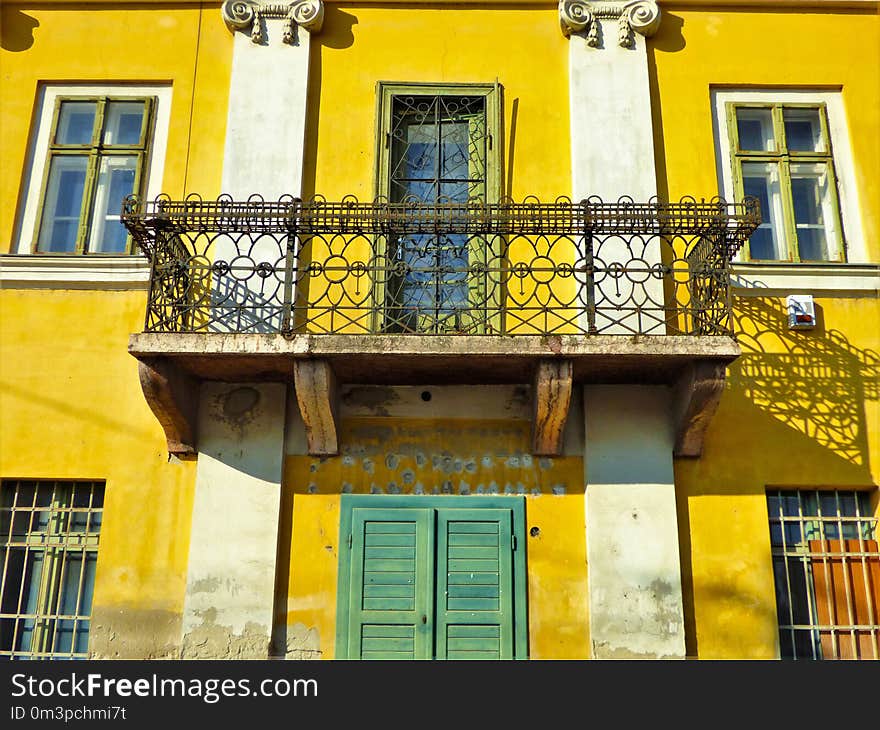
(612, 142)
(266, 123)
(230, 587)
(264, 148)
(612, 137)
(636, 608)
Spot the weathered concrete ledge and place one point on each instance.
(435, 359)
(693, 366)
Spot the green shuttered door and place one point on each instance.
(474, 584)
(418, 582)
(391, 555)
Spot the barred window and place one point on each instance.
(827, 572)
(49, 548)
(438, 145)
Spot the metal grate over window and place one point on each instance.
(438, 155)
(826, 567)
(48, 547)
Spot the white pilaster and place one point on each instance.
(612, 140)
(266, 121)
(265, 146)
(230, 586)
(636, 606)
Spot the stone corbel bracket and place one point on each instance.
(241, 14)
(583, 16)
(173, 396)
(318, 397)
(551, 397)
(696, 396)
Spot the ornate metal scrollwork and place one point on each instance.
(583, 16)
(241, 14)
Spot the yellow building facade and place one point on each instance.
(498, 377)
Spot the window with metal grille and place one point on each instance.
(49, 548)
(438, 147)
(827, 572)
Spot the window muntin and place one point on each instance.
(781, 154)
(437, 145)
(826, 568)
(98, 150)
(49, 535)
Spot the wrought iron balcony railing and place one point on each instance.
(526, 268)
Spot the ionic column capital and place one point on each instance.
(581, 17)
(244, 14)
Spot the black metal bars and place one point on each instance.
(527, 268)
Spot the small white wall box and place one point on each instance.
(801, 311)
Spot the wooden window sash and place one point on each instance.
(96, 150)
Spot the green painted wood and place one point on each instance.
(370, 625)
(471, 539)
(413, 616)
(389, 591)
(473, 591)
(480, 566)
(377, 552)
(468, 579)
(391, 528)
(467, 632)
(372, 631)
(389, 579)
(492, 613)
(390, 540)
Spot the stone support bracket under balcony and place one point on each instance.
(318, 397)
(173, 396)
(174, 363)
(551, 396)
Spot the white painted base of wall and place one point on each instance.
(636, 606)
(234, 541)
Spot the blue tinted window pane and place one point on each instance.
(76, 122)
(63, 204)
(123, 121)
(116, 178)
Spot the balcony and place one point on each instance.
(402, 293)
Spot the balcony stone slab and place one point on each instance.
(693, 366)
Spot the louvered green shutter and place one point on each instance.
(391, 601)
(475, 617)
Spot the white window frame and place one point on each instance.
(858, 272)
(48, 269)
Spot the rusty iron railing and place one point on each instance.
(528, 268)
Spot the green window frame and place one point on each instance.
(49, 535)
(101, 165)
(795, 182)
(468, 298)
(432, 577)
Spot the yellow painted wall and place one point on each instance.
(694, 50)
(186, 45)
(799, 408)
(400, 455)
(71, 408)
(71, 405)
(361, 45)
